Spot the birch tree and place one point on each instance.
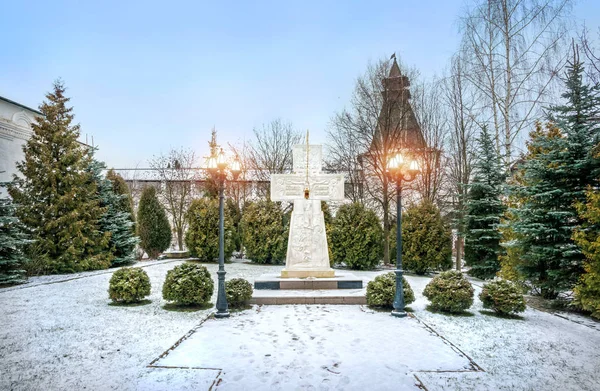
(514, 51)
(461, 100)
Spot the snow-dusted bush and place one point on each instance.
(129, 285)
(188, 284)
(381, 291)
(502, 296)
(238, 291)
(450, 292)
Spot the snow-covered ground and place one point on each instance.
(60, 333)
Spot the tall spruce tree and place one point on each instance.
(114, 220)
(152, 224)
(484, 209)
(12, 242)
(556, 179)
(56, 195)
(511, 260)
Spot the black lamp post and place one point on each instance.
(399, 170)
(217, 166)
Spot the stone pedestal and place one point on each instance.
(340, 281)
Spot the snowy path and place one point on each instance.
(332, 347)
(63, 335)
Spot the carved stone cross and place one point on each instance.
(307, 252)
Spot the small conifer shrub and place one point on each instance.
(449, 292)
(129, 285)
(12, 242)
(188, 284)
(202, 236)
(426, 239)
(381, 291)
(264, 232)
(356, 237)
(152, 224)
(238, 291)
(502, 296)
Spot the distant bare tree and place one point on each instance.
(177, 173)
(514, 52)
(378, 124)
(343, 150)
(592, 55)
(271, 151)
(239, 191)
(430, 111)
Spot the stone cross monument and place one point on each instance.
(307, 252)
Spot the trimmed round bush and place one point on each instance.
(449, 292)
(502, 296)
(426, 240)
(238, 291)
(356, 237)
(188, 284)
(129, 285)
(381, 291)
(265, 236)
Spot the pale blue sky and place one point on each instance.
(145, 76)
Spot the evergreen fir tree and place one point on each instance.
(12, 241)
(120, 188)
(115, 220)
(556, 179)
(56, 195)
(511, 260)
(484, 209)
(153, 226)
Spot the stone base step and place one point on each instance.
(276, 282)
(339, 296)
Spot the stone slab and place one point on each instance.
(339, 281)
(305, 296)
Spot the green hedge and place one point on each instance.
(238, 292)
(356, 237)
(129, 285)
(381, 291)
(202, 236)
(503, 297)
(188, 284)
(449, 292)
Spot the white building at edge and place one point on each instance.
(15, 130)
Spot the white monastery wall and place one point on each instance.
(15, 130)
